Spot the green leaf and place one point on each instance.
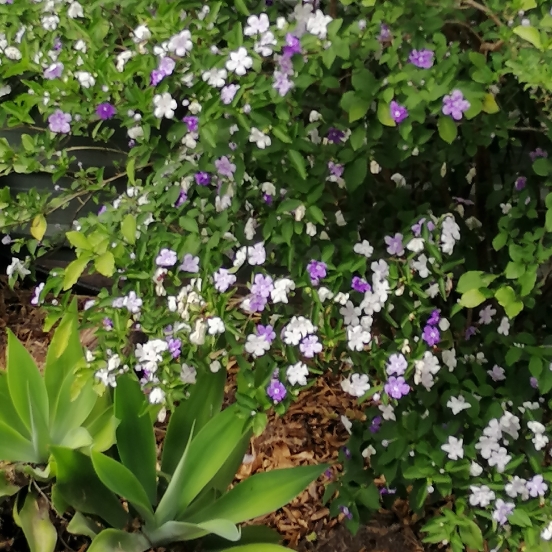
(224, 477)
(206, 454)
(261, 494)
(82, 489)
(34, 520)
(105, 264)
(81, 525)
(447, 129)
(548, 221)
(8, 414)
(489, 104)
(102, 429)
(507, 299)
(112, 540)
(471, 535)
(78, 240)
(369, 497)
(530, 34)
(128, 229)
(541, 167)
(298, 162)
(384, 115)
(131, 171)
(7, 488)
(204, 402)
(520, 518)
(27, 142)
(124, 483)
(472, 298)
(474, 279)
(355, 173)
(26, 384)
(135, 435)
(358, 109)
(175, 531)
(74, 271)
(14, 447)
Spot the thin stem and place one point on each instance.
(96, 148)
(484, 9)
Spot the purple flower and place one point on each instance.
(521, 182)
(262, 285)
(396, 365)
(360, 284)
(385, 33)
(470, 332)
(59, 121)
(202, 178)
(317, 271)
(417, 228)
(257, 303)
(276, 391)
(267, 332)
(421, 58)
(54, 71)
(105, 111)
(191, 122)
(225, 167)
(310, 346)
(102, 210)
(386, 491)
(267, 198)
(228, 93)
(223, 279)
(166, 258)
(346, 512)
(57, 41)
(502, 511)
(182, 197)
(375, 424)
(536, 486)
(174, 346)
(395, 244)
(281, 83)
(335, 135)
(190, 263)
(293, 45)
(335, 169)
(534, 382)
(166, 66)
(455, 105)
(35, 300)
(434, 317)
(107, 323)
(346, 453)
(398, 112)
(156, 77)
(538, 153)
(396, 387)
(431, 335)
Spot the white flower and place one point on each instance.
(481, 496)
(215, 366)
(256, 25)
(420, 266)
(546, 533)
(85, 79)
(181, 43)
(486, 445)
(197, 337)
(259, 138)
(141, 34)
(75, 10)
(475, 469)
(239, 61)
(350, 314)
(17, 268)
(504, 328)
(510, 424)
(433, 290)
(317, 24)
(347, 424)
(122, 58)
(449, 358)
(157, 396)
(387, 412)
(499, 458)
(517, 487)
(425, 369)
(341, 298)
(297, 373)
(165, 105)
(486, 315)
(256, 345)
(282, 287)
(215, 77)
(375, 168)
(216, 326)
(314, 116)
(368, 452)
(454, 448)
(50, 22)
(265, 46)
(356, 385)
(399, 180)
(188, 374)
(324, 294)
(357, 338)
(380, 269)
(536, 427)
(415, 245)
(12, 53)
(310, 229)
(340, 219)
(457, 404)
(497, 373)
(363, 248)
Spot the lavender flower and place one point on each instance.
(395, 244)
(431, 335)
(335, 169)
(421, 58)
(202, 178)
(35, 300)
(310, 346)
(105, 111)
(225, 167)
(228, 93)
(223, 279)
(317, 271)
(166, 66)
(190, 263)
(262, 285)
(396, 387)
(455, 105)
(191, 122)
(257, 303)
(434, 317)
(174, 346)
(346, 453)
(182, 197)
(166, 258)
(375, 424)
(470, 332)
(346, 512)
(293, 45)
(539, 152)
(398, 112)
(54, 71)
(276, 391)
(360, 285)
(502, 511)
(156, 77)
(267, 332)
(385, 33)
(396, 364)
(59, 121)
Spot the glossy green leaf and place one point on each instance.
(81, 525)
(25, 383)
(227, 473)
(261, 494)
(204, 402)
(472, 299)
(112, 540)
(74, 271)
(176, 531)
(105, 264)
(358, 109)
(8, 414)
(384, 115)
(250, 534)
(34, 520)
(135, 435)
(530, 34)
(298, 161)
(78, 240)
(447, 129)
(474, 279)
(128, 229)
(103, 430)
(122, 482)
(40, 436)
(81, 488)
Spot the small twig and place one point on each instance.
(484, 9)
(97, 148)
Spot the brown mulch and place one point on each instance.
(310, 432)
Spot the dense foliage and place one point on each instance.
(359, 187)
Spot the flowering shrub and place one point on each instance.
(348, 186)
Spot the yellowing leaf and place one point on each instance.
(38, 227)
(105, 264)
(530, 34)
(73, 271)
(489, 104)
(384, 115)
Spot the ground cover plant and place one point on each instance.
(359, 187)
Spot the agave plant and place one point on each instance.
(39, 411)
(188, 498)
